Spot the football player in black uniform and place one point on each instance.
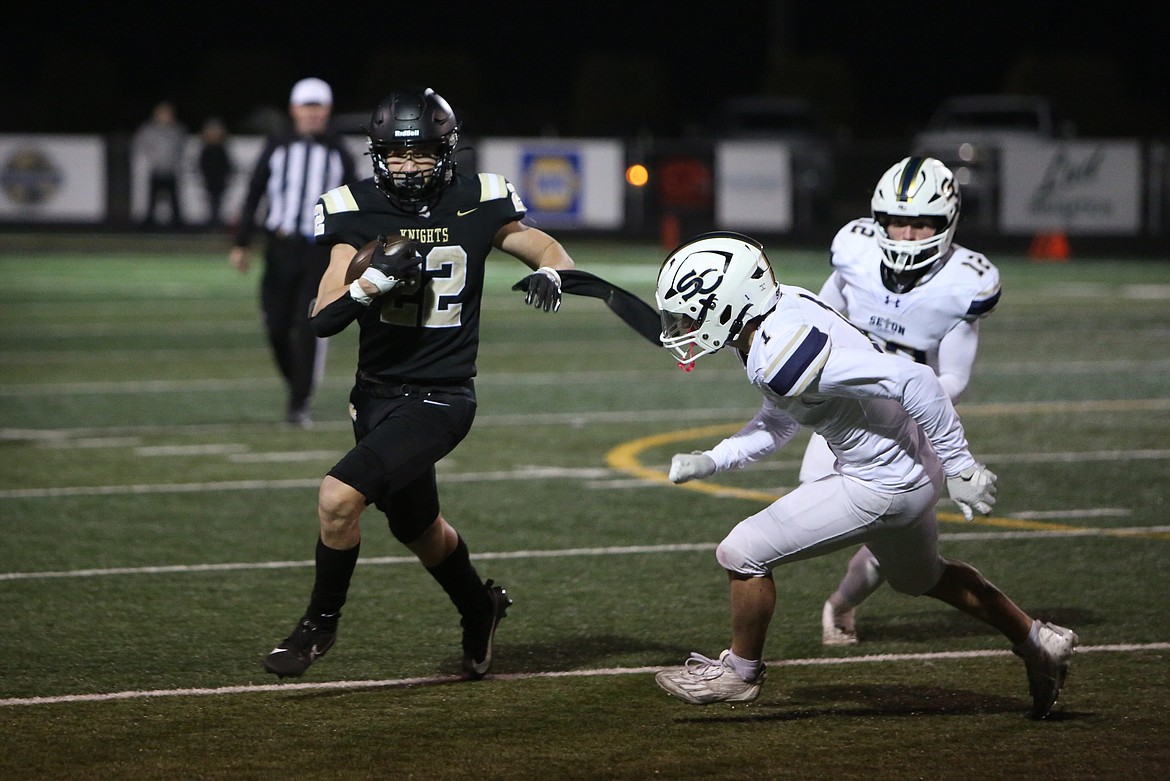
(418, 308)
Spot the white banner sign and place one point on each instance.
(753, 185)
(52, 178)
(1078, 187)
(565, 183)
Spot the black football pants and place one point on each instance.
(292, 273)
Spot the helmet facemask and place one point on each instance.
(412, 189)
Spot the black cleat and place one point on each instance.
(478, 633)
(293, 655)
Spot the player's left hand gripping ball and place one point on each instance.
(397, 257)
(543, 288)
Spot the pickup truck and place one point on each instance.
(965, 133)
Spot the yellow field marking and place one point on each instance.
(626, 458)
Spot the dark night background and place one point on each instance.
(873, 70)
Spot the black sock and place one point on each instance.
(459, 579)
(334, 571)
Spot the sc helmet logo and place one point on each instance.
(697, 283)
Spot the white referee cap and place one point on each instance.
(311, 91)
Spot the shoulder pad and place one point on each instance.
(854, 240)
(494, 187)
(986, 302)
(795, 359)
(981, 279)
(338, 200)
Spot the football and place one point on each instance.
(361, 260)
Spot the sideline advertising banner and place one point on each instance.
(53, 178)
(565, 182)
(753, 187)
(1078, 187)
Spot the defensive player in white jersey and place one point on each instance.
(896, 439)
(900, 277)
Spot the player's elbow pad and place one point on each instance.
(336, 316)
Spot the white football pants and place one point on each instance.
(836, 512)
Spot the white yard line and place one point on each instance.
(174, 569)
(585, 417)
(399, 683)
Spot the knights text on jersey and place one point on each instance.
(912, 323)
(428, 332)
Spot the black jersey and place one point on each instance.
(428, 332)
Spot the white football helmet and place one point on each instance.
(708, 289)
(916, 187)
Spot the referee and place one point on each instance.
(292, 172)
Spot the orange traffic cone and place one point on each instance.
(1049, 246)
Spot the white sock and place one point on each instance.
(1031, 643)
(747, 669)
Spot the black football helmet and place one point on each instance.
(413, 117)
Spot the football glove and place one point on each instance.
(690, 466)
(543, 288)
(390, 267)
(973, 490)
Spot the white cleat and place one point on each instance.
(701, 681)
(837, 628)
(1048, 666)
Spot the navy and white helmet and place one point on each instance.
(708, 289)
(916, 187)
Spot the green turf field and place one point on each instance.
(159, 521)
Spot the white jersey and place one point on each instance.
(965, 288)
(885, 418)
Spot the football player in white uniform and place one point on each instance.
(896, 439)
(901, 279)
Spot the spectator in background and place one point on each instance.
(215, 166)
(293, 170)
(160, 142)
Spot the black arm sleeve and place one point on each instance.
(334, 318)
(635, 312)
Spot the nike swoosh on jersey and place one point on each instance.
(464, 213)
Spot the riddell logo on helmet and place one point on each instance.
(402, 133)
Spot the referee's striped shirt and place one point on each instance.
(292, 173)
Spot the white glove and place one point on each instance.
(690, 466)
(973, 489)
(376, 278)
